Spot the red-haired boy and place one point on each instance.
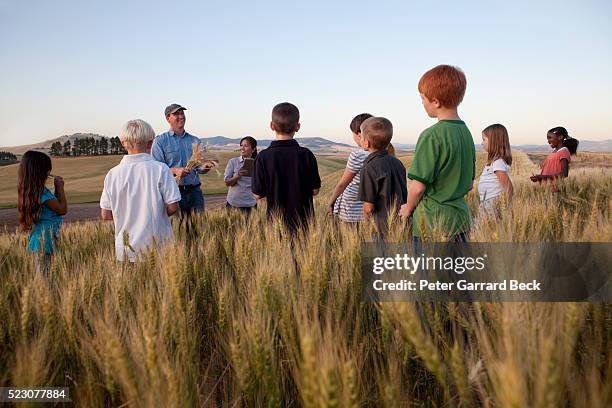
(442, 170)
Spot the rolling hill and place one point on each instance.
(46, 145)
(84, 176)
(316, 144)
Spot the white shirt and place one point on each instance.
(489, 186)
(239, 195)
(137, 191)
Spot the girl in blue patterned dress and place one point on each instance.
(40, 211)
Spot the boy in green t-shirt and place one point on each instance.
(442, 170)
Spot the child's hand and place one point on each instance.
(209, 164)
(58, 181)
(404, 212)
(179, 171)
(330, 208)
(243, 172)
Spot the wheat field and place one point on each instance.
(224, 319)
(84, 176)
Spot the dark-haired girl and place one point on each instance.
(238, 177)
(40, 211)
(557, 163)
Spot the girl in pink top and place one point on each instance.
(556, 164)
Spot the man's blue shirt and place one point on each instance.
(176, 151)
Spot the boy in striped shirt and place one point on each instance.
(345, 203)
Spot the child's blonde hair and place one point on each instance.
(499, 144)
(378, 131)
(137, 132)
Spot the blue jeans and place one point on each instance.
(192, 199)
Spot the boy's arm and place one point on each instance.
(422, 171)
(172, 208)
(106, 215)
(315, 178)
(170, 192)
(368, 191)
(368, 209)
(105, 203)
(258, 181)
(424, 166)
(415, 193)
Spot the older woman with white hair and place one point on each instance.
(139, 195)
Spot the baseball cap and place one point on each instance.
(173, 109)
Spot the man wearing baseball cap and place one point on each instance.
(174, 148)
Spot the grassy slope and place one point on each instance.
(84, 176)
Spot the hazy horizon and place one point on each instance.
(271, 137)
(74, 67)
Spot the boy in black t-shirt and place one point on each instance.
(383, 177)
(285, 173)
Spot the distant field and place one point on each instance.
(580, 160)
(84, 176)
(7, 162)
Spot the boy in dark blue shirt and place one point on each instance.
(285, 173)
(383, 177)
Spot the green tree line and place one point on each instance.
(88, 146)
(7, 156)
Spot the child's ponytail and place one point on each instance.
(569, 142)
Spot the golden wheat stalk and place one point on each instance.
(197, 159)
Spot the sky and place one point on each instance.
(89, 66)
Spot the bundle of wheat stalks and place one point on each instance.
(197, 160)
